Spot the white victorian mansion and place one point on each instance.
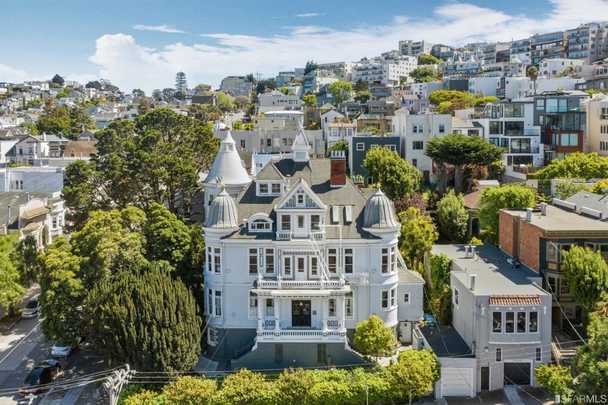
(296, 257)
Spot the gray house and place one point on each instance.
(503, 316)
(357, 150)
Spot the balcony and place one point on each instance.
(301, 284)
(334, 330)
(289, 235)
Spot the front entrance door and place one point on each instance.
(300, 267)
(485, 378)
(300, 314)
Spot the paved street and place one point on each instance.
(26, 346)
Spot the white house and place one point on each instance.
(296, 257)
(276, 101)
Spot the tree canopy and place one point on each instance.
(373, 338)
(11, 290)
(414, 374)
(462, 152)
(157, 158)
(452, 217)
(148, 320)
(395, 176)
(310, 100)
(493, 199)
(418, 234)
(63, 120)
(448, 101)
(427, 59)
(340, 91)
(577, 166)
(587, 275)
(424, 74)
(591, 363)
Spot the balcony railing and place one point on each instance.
(301, 284)
(289, 235)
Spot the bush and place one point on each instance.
(452, 217)
(373, 338)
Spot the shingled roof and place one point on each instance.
(514, 300)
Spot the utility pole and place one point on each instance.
(115, 382)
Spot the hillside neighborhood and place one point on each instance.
(427, 225)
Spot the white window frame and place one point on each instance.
(250, 254)
(269, 254)
(217, 257)
(360, 146)
(349, 253)
(498, 355)
(253, 305)
(349, 302)
(406, 298)
(332, 253)
(393, 297)
(288, 267)
(212, 337)
(382, 300)
(538, 354)
(218, 303)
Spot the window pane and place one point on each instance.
(510, 322)
(521, 322)
(533, 326)
(497, 322)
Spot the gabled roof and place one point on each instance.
(301, 185)
(270, 172)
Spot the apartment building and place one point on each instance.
(549, 45)
(277, 101)
(596, 110)
(558, 67)
(414, 48)
(236, 86)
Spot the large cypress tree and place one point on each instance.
(149, 320)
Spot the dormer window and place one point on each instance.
(263, 188)
(300, 199)
(260, 223)
(276, 188)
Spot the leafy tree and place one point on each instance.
(532, 73)
(157, 158)
(247, 388)
(58, 80)
(81, 192)
(361, 85)
(144, 397)
(372, 386)
(363, 96)
(450, 100)
(109, 242)
(566, 189)
(332, 387)
(600, 187)
(189, 390)
(25, 258)
(148, 320)
(423, 74)
(415, 200)
(414, 374)
(310, 100)
(373, 338)
(418, 234)
(587, 275)
(310, 66)
(463, 152)
(341, 146)
(11, 290)
(284, 90)
(439, 295)
(426, 59)
(293, 386)
(493, 199)
(452, 217)
(224, 101)
(576, 166)
(63, 120)
(340, 91)
(556, 379)
(591, 363)
(396, 176)
(62, 293)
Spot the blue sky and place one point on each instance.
(143, 43)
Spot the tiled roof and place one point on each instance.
(512, 300)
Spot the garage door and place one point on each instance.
(457, 382)
(517, 373)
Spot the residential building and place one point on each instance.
(379, 123)
(510, 125)
(596, 112)
(500, 317)
(549, 45)
(588, 42)
(443, 52)
(414, 48)
(296, 257)
(520, 51)
(316, 79)
(558, 67)
(537, 237)
(276, 101)
(236, 86)
(562, 120)
(415, 131)
(342, 70)
(465, 68)
(274, 141)
(40, 179)
(329, 117)
(339, 131)
(284, 78)
(387, 71)
(40, 215)
(357, 150)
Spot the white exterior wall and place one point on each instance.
(484, 85)
(597, 126)
(276, 100)
(551, 68)
(31, 179)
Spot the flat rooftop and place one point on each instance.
(445, 341)
(496, 273)
(558, 221)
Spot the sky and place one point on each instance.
(143, 43)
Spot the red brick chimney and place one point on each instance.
(338, 169)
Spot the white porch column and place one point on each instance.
(341, 312)
(277, 312)
(261, 303)
(324, 314)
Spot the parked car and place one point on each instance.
(63, 351)
(43, 374)
(32, 308)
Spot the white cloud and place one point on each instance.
(158, 28)
(309, 15)
(11, 74)
(128, 64)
